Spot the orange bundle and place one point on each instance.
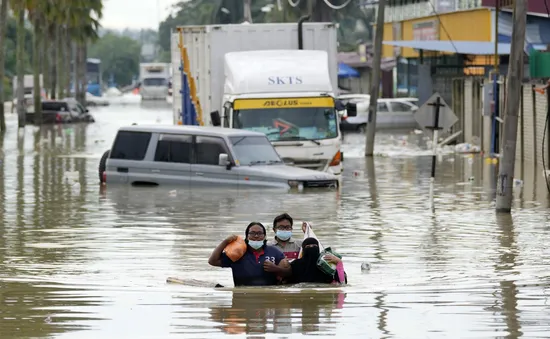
(236, 249)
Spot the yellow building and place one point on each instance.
(470, 25)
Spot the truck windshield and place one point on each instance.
(155, 82)
(251, 150)
(280, 124)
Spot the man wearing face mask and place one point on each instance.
(249, 269)
(282, 226)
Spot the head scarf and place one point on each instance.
(305, 269)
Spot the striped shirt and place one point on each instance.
(290, 248)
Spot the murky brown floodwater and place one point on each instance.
(79, 262)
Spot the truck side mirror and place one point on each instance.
(215, 118)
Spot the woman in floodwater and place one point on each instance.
(305, 269)
(250, 269)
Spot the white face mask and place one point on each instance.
(256, 244)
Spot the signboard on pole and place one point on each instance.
(425, 115)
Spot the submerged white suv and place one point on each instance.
(196, 155)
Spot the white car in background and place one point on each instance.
(93, 100)
(391, 113)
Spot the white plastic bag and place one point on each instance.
(310, 234)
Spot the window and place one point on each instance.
(209, 150)
(382, 107)
(130, 145)
(400, 107)
(155, 82)
(174, 148)
(251, 150)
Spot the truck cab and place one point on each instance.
(287, 95)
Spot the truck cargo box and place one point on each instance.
(207, 45)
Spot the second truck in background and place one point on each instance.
(257, 77)
(153, 78)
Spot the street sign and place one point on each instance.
(425, 115)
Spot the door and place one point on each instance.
(402, 115)
(127, 156)
(205, 170)
(172, 160)
(383, 117)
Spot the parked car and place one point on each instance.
(203, 156)
(394, 113)
(60, 112)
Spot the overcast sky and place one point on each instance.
(135, 13)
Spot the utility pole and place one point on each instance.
(375, 85)
(247, 11)
(514, 87)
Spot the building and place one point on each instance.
(442, 31)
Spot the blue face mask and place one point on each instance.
(256, 244)
(284, 235)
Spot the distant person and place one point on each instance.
(305, 269)
(249, 270)
(282, 226)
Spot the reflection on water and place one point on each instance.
(279, 312)
(80, 260)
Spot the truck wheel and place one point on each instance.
(103, 165)
(362, 128)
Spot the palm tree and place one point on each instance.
(36, 15)
(18, 7)
(3, 20)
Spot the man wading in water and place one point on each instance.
(282, 226)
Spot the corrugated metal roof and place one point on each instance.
(459, 47)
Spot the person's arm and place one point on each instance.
(216, 256)
(339, 266)
(280, 267)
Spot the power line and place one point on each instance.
(342, 6)
(443, 26)
(293, 4)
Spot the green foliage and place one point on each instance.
(119, 56)
(11, 60)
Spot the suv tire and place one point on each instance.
(103, 165)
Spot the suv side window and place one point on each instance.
(208, 150)
(174, 148)
(130, 145)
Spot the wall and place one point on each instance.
(474, 25)
(532, 117)
(533, 6)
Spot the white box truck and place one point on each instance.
(154, 78)
(255, 77)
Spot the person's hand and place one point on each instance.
(270, 266)
(284, 263)
(332, 259)
(231, 238)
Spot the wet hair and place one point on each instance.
(310, 241)
(282, 217)
(254, 223)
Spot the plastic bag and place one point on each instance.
(236, 249)
(324, 265)
(309, 234)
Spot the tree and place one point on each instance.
(3, 20)
(19, 8)
(119, 56)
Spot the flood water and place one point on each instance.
(81, 261)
